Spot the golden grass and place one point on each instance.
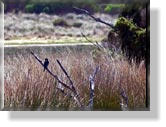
(28, 87)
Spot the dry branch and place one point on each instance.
(92, 86)
(55, 76)
(71, 82)
(95, 44)
(83, 11)
(75, 95)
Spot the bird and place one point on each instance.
(46, 62)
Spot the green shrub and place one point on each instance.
(113, 7)
(50, 6)
(133, 38)
(134, 32)
(60, 22)
(131, 9)
(29, 8)
(136, 11)
(62, 6)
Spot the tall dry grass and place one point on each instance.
(28, 87)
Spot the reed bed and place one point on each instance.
(28, 87)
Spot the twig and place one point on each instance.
(95, 72)
(63, 92)
(95, 44)
(71, 82)
(76, 95)
(100, 47)
(96, 19)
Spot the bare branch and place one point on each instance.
(92, 86)
(96, 19)
(75, 96)
(63, 92)
(100, 47)
(95, 44)
(55, 76)
(63, 69)
(86, 38)
(95, 72)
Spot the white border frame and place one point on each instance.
(1, 55)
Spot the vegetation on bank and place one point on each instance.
(131, 33)
(133, 38)
(130, 27)
(58, 6)
(114, 8)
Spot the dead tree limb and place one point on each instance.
(63, 92)
(71, 82)
(92, 86)
(59, 81)
(55, 76)
(83, 11)
(99, 46)
(76, 95)
(95, 72)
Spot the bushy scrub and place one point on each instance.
(133, 38)
(50, 6)
(77, 24)
(60, 22)
(29, 8)
(137, 12)
(114, 8)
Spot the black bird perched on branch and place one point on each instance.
(46, 62)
